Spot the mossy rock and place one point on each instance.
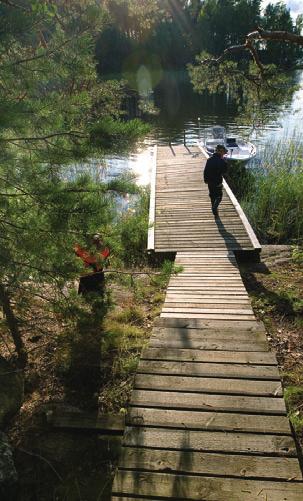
(11, 392)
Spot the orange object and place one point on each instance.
(90, 259)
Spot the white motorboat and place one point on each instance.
(238, 148)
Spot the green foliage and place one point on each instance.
(294, 397)
(226, 22)
(54, 112)
(297, 254)
(132, 315)
(275, 202)
(277, 17)
(121, 336)
(250, 91)
(175, 31)
(133, 229)
(168, 268)
(240, 179)
(116, 136)
(283, 302)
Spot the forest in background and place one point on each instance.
(169, 34)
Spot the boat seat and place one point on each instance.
(231, 142)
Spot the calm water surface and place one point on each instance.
(179, 108)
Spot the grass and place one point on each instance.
(272, 194)
(294, 401)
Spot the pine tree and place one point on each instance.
(54, 112)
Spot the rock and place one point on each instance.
(11, 392)
(8, 474)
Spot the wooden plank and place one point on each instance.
(209, 369)
(208, 385)
(253, 326)
(175, 248)
(208, 420)
(216, 441)
(188, 298)
(188, 278)
(192, 304)
(217, 276)
(208, 286)
(265, 358)
(207, 401)
(204, 295)
(206, 316)
(226, 311)
(208, 333)
(201, 488)
(210, 298)
(218, 344)
(210, 464)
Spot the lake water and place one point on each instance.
(179, 108)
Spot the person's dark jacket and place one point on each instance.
(214, 170)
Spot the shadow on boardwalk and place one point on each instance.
(230, 240)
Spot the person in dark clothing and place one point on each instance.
(214, 170)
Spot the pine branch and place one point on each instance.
(258, 34)
(47, 53)
(70, 133)
(283, 36)
(14, 5)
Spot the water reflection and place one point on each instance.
(180, 108)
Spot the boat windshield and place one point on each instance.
(216, 132)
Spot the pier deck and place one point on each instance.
(207, 419)
(182, 217)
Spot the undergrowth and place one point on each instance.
(271, 194)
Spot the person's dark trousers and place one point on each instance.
(216, 194)
(92, 283)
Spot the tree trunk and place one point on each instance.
(13, 326)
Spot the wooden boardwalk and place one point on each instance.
(207, 419)
(182, 218)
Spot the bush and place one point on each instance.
(133, 229)
(274, 203)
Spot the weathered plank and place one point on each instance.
(218, 344)
(209, 334)
(209, 299)
(253, 326)
(206, 316)
(216, 441)
(208, 385)
(264, 358)
(208, 420)
(194, 488)
(210, 464)
(206, 401)
(192, 309)
(210, 369)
